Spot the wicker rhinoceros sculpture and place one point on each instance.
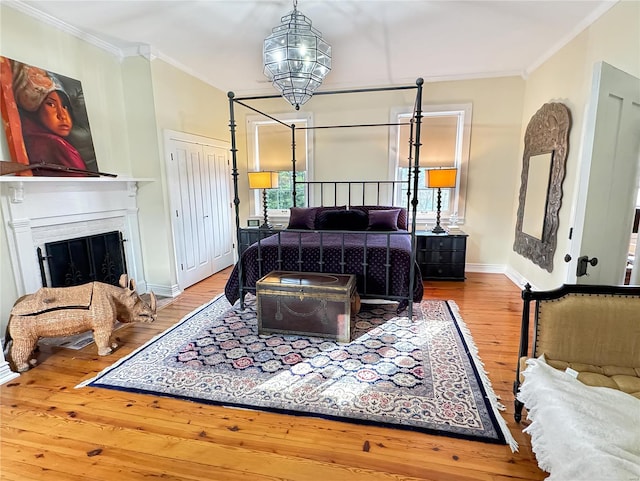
(64, 311)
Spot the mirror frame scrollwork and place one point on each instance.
(547, 132)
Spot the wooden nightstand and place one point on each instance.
(441, 256)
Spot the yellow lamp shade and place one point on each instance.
(263, 180)
(441, 178)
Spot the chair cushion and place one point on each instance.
(623, 379)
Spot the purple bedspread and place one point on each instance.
(299, 251)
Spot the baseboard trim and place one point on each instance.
(513, 275)
(518, 279)
(487, 268)
(6, 374)
(164, 290)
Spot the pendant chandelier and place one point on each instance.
(296, 58)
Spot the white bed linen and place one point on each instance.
(580, 432)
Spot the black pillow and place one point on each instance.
(342, 220)
(319, 210)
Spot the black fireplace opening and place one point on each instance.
(84, 259)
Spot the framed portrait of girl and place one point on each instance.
(45, 120)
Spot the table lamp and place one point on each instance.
(440, 179)
(264, 181)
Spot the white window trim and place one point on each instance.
(463, 149)
(253, 164)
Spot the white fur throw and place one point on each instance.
(580, 432)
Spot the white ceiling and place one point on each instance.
(374, 42)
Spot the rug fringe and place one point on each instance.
(493, 397)
(150, 341)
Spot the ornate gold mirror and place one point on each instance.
(546, 143)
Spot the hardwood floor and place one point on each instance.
(51, 431)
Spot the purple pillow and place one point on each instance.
(402, 217)
(383, 219)
(302, 218)
(342, 220)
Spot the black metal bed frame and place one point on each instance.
(411, 183)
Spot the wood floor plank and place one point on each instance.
(137, 465)
(385, 444)
(147, 436)
(103, 439)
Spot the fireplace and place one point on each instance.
(76, 261)
(48, 214)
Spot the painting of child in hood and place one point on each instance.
(53, 120)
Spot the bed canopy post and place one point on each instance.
(414, 201)
(293, 162)
(234, 175)
(410, 158)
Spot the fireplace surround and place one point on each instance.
(41, 210)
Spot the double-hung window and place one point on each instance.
(269, 147)
(445, 138)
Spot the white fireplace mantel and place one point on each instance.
(38, 210)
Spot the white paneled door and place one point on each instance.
(199, 181)
(608, 178)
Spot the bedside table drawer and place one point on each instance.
(446, 243)
(441, 257)
(452, 272)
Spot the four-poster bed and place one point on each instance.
(344, 233)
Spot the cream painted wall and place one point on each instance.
(185, 104)
(566, 77)
(354, 153)
(494, 161)
(145, 163)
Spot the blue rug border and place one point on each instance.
(483, 388)
(499, 440)
(434, 432)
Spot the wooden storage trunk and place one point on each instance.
(307, 303)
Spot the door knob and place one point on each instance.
(583, 261)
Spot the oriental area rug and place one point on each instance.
(421, 374)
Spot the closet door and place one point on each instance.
(219, 192)
(198, 178)
(191, 214)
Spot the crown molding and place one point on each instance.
(144, 50)
(580, 27)
(63, 26)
